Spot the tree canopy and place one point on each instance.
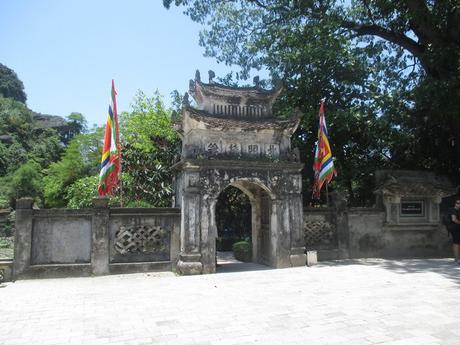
(28, 149)
(390, 73)
(23, 141)
(149, 148)
(80, 159)
(10, 85)
(426, 29)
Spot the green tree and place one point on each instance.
(46, 148)
(426, 30)
(10, 85)
(14, 156)
(77, 125)
(80, 159)
(390, 73)
(3, 159)
(15, 120)
(26, 141)
(81, 193)
(26, 181)
(149, 148)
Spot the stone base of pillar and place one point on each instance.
(343, 253)
(298, 257)
(189, 264)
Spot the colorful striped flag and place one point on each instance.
(323, 166)
(110, 163)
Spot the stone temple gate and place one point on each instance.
(231, 138)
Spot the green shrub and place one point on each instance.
(6, 242)
(242, 251)
(225, 244)
(7, 228)
(80, 194)
(137, 204)
(4, 202)
(26, 181)
(6, 248)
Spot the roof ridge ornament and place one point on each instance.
(256, 81)
(211, 75)
(185, 100)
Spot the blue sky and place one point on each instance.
(67, 52)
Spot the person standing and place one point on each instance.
(454, 229)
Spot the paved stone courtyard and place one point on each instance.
(348, 302)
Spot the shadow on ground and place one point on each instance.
(444, 267)
(226, 263)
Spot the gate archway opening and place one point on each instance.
(243, 213)
(233, 219)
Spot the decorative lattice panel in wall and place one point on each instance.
(319, 233)
(140, 240)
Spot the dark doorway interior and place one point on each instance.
(233, 218)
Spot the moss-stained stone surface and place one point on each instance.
(232, 138)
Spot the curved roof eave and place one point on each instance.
(255, 124)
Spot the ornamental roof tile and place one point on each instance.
(246, 124)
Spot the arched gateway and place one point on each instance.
(231, 138)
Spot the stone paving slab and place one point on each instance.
(397, 302)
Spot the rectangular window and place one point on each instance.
(412, 208)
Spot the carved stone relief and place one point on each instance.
(212, 148)
(272, 150)
(253, 149)
(212, 182)
(140, 240)
(234, 149)
(318, 232)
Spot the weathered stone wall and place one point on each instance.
(326, 231)
(364, 233)
(370, 236)
(365, 230)
(61, 242)
(61, 237)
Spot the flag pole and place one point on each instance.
(327, 195)
(115, 110)
(121, 183)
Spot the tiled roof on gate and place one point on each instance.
(253, 124)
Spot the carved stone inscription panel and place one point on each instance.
(226, 149)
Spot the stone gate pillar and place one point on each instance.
(297, 256)
(23, 236)
(190, 253)
(287, 231)
(208, 235)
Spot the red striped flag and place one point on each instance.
(323, 165)
(110, 162)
